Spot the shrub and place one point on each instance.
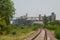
(7, 29)
(50, 27)
(14, 33)
(57, 33)
(34, 27)
(22, 27)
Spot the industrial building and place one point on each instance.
(25, 20)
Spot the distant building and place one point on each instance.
(38, 23)
(25, 20)
(40, 17)
(53, 16)
(49, 19)
(22, 21)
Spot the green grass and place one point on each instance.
(19, 33)
(15, 37)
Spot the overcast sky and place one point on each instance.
(36, 7)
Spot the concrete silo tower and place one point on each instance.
(40, 17)
(53, 16)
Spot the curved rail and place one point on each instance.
(47, 35)
(36, 35)
(45, 38)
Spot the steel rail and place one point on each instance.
(37, 34)
(45, 37)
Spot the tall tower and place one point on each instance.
(40, 17)
(53, 16)
(26, 15)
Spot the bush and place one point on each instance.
(14, 33)
(22, 27)
(34, 27)
(7, 29)
(50, 27)
(57, 33)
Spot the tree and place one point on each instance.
(7, 10)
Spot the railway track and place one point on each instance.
(41, 34)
